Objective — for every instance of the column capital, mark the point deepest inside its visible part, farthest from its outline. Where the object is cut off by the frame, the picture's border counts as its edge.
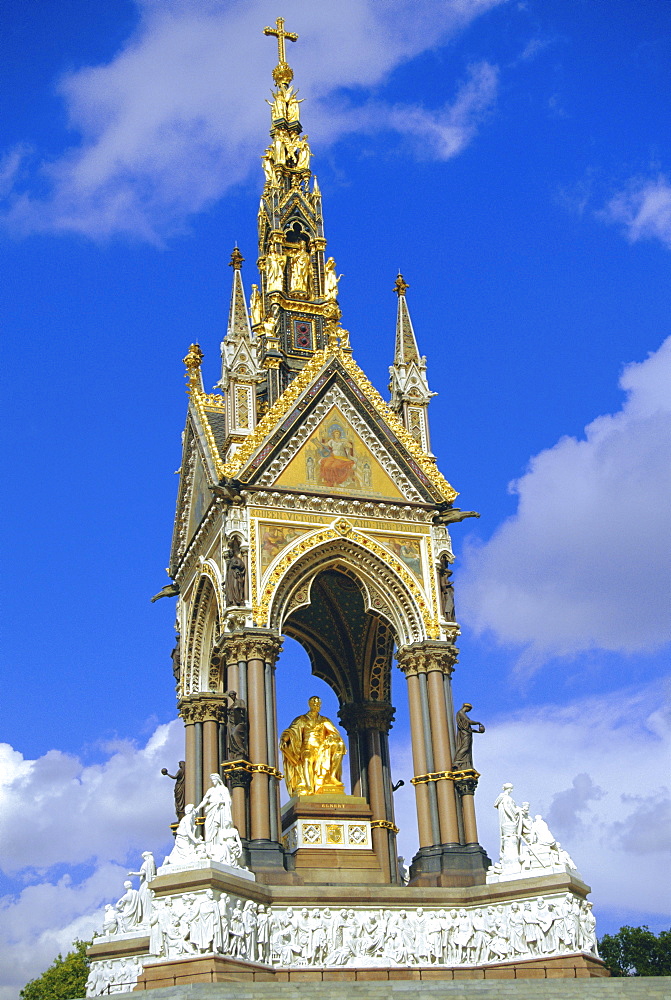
(465, 782)
(250, 644)
(357, 716)
(205, 707)
(422, 657)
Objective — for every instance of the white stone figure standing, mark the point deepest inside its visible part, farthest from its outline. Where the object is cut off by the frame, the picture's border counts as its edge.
(237, 932)
(146, 874)
(516, 930)
(508, 828)
(156, 936)
(263, 932)
(222, 840)
(129, 908)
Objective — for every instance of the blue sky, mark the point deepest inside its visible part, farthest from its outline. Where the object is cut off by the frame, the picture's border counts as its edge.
(514, 160)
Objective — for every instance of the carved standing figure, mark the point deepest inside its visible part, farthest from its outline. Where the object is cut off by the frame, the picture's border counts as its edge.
(275, 271)
(146, 874)
(222, 840)
(236, 576)
(446, 589)
(300, 271)
(238, 728)
(331, 280)
(303, 154)
(463, 757)
(180, 780)
(129, 908)
(508, 827)
(255, 306)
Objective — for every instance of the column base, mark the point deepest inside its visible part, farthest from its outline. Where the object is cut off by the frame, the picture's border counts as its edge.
(450, 865)
(266, 858)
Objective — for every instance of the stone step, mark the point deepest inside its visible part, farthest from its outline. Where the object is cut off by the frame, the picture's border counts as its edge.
(654, 988)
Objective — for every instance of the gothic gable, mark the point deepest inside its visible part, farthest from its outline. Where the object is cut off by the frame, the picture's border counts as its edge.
(331, 407)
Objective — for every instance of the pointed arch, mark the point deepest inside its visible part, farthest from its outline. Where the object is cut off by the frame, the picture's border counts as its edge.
(387, 587)
(198, 673)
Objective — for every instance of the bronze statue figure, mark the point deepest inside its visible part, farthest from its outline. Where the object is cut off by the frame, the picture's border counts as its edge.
(463, 757)
(236, 576)
(446, 589)
(179, 780)
(238, 728)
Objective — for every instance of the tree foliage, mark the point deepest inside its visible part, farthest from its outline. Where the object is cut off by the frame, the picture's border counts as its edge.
(636, 951)
(64, 979)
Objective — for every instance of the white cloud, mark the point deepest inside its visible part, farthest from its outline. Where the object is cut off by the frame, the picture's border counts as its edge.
(584, 563)
(177, 117)
(643, 208)
(598, 770)
(68, 832)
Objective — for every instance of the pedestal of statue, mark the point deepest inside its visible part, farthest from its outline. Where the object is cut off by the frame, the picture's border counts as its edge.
(328, 837)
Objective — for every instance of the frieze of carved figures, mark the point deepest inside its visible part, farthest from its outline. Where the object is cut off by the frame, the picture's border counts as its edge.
(208, 922)
(527, 846)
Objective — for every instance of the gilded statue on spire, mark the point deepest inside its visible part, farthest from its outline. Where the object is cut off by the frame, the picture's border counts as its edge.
(313, 750)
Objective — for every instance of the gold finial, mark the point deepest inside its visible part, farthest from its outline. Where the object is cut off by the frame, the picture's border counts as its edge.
(282, 72)
(193, 362)
(236, 260)
(400, 285)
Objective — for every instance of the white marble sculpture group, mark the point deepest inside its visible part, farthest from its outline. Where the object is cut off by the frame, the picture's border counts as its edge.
(221, 841)
(528, 847)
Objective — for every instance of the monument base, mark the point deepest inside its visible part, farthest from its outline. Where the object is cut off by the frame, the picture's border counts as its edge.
(214, 969)
(209, 925)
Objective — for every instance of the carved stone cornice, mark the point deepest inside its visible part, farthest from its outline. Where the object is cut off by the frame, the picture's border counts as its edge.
(203, 708)
(422, 657)
(250, 644)
(358, 716)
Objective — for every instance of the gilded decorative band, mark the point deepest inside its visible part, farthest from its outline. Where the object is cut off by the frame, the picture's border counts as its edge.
(383, 824)
(420, 779)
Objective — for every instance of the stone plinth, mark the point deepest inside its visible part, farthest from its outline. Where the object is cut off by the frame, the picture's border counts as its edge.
(330, 840)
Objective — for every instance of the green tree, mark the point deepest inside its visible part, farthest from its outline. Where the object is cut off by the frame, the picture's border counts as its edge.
(65, 979)
(636, 951)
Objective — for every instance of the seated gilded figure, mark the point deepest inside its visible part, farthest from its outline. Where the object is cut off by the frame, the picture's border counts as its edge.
(313, 750)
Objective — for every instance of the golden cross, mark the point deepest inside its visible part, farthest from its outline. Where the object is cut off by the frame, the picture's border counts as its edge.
(281, 34)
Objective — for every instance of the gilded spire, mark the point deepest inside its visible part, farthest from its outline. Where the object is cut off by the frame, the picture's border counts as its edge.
(238, 319)
(406, 344)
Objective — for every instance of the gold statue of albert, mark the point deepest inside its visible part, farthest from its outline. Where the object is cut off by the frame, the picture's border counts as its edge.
(313, 750)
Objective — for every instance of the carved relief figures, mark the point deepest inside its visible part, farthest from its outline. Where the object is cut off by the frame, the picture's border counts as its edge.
(202, 922)
(313, 750)
(238, 728)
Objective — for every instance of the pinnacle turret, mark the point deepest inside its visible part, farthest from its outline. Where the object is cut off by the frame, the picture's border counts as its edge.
(408, 385)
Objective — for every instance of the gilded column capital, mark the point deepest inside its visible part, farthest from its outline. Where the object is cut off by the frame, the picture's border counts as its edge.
(204, 707)
(357, 716)
(250, 644)
(423, 657)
